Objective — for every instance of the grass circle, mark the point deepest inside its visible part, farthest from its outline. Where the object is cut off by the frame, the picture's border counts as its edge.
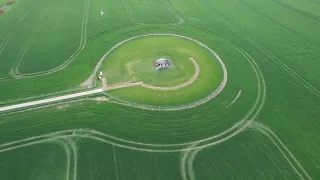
(133, 61)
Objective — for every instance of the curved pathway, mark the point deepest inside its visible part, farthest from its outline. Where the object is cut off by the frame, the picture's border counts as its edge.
(188, 106)
(190, 81)
(140, 83)
(90, 79)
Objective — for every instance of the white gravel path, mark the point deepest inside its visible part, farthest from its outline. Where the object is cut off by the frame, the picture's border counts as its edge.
(50, 100)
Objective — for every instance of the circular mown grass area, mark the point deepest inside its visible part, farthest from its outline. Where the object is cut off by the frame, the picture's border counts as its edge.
(134, 61)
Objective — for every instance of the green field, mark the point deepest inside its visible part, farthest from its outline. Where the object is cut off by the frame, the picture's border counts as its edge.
(134, 61)
(262, 124)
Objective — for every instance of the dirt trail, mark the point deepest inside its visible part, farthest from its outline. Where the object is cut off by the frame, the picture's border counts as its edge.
(190, 81)
(123, 85)
(90, 79)
(140, 83)
(104, 83)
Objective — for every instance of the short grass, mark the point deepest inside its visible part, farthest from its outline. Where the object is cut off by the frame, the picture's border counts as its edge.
(178, 72)
(134, 61)
(148, 49)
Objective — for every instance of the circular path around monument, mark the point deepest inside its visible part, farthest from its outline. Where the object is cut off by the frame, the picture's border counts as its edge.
(133, 61)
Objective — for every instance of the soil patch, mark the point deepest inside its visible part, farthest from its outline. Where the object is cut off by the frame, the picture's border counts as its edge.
(9, 2)
(1, 11)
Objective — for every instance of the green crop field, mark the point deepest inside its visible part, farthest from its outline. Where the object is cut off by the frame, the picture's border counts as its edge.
(239, 100)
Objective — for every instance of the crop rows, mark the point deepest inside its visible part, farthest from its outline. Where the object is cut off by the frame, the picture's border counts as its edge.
(280, 37)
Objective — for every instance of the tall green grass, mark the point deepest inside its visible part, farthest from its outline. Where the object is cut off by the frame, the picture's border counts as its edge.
(150, 11)
(115, 16)
(40, 161)
(291, 109)
(250, 155)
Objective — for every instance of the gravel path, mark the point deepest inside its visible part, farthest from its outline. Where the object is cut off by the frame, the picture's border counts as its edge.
(50, 100)
(90, 80)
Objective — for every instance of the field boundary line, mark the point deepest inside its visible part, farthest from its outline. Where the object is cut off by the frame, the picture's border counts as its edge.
(261, 85)
(239, 127)
(286, 28)
(49, 139)
(14, 69)
(62, 66)
(59, 140)
(75, 156)
(62, 143)
(191, 156)
(93, 136)
(174, 13)
(115, 162)
(85, 24)
(295, 164)
(261, 97)
(234, 100)
(130, 13)
(313, 89)
(160, 150)
(296, 10)
(97, 133)
(184, 161)
(190, 161)
(111, 31)
(35, 138)
(25, 47)
(7, 39)
(81, 46)
(186, 158)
